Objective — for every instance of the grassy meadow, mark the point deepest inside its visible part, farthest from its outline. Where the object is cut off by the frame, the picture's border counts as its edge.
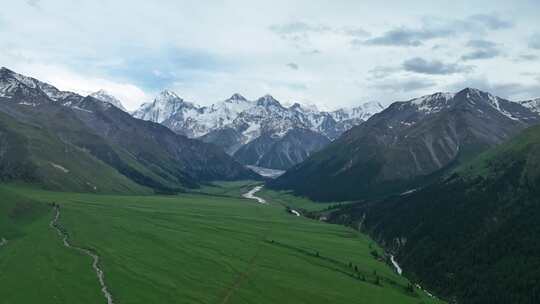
(211, 246)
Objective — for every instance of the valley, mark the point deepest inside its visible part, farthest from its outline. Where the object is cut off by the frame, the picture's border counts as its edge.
(112, 208)
(470, 235)
(211, 246)
(263, 152)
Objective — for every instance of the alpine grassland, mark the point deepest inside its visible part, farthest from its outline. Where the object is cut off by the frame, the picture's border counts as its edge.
(210, 246)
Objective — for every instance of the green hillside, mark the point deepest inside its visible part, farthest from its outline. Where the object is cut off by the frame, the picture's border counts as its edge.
(63, 141)
(191, 248)
(37, 155)
(472, 236)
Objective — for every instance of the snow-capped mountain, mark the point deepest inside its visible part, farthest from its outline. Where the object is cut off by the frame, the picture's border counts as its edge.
(408, 144)
(107, 97)
(255, 126)
(533, 104)
(13, 84)
(14, 87)
(97, 146)
(166, 105)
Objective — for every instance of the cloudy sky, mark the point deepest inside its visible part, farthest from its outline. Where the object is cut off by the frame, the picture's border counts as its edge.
(328, 53)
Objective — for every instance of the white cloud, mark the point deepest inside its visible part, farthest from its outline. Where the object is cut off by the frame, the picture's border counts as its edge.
(208, 50)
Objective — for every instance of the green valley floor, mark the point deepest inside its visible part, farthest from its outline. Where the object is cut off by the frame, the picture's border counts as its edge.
(210, 246)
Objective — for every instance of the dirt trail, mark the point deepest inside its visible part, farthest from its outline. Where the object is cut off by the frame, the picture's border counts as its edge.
(241, 278)
(95, 264)
(244, 275)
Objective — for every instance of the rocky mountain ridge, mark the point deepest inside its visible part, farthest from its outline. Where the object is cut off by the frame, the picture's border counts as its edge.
(407, 144)
(66, 141)
(255, 128)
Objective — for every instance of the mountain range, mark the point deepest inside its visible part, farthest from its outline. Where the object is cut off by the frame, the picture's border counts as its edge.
(262, 132)
(65, 141)
(407, 145)
(533, 104)
(448, 183)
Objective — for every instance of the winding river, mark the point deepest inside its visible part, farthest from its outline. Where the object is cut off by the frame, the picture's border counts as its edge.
(251, 195)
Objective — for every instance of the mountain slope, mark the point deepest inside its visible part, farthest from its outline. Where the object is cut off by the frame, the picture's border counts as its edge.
(406, 145)
(236, 123)
(281, 153)
(472, 236)
(30, 153)
(95, 133)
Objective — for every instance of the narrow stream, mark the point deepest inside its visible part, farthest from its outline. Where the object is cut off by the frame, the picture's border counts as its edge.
(400, 271)
(95, 264)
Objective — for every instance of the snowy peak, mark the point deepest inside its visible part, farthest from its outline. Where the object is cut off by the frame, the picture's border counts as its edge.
(267, 101)
(249, 119)
(166, 105)
(479, 102)
(12, 83)
(236, 98)
(7, 74)
(32, 92)
(533, 105)
(369, 108)
(167, 95)
(484, 102)
(475, 95)
(433, 103)
(170, 98)
(249, 130)
(363, 111)
(304, 108)
(109, 98)
(297, 107)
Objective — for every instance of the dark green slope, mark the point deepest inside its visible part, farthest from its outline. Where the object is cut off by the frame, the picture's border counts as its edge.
(34, 154)
(407, 145)
(473, 236)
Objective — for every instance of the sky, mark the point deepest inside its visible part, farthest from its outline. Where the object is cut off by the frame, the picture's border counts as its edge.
(326, 53)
